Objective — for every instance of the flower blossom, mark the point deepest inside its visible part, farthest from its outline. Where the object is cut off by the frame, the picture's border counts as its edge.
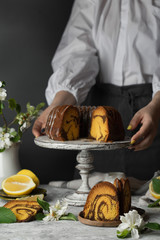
(5, 141)
(132, 222)
(3, 94)
(56, 211)
(25, 125)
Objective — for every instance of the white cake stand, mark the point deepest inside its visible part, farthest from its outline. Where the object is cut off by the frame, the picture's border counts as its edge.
(84, 159)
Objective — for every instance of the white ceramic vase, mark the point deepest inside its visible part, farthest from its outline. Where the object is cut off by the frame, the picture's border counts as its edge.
(9, 162)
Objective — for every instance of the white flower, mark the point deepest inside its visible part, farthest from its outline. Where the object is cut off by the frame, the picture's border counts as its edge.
(56, 211)
(132, 222)
(25, 125)
(5, 141)
(1, 84)
(2, 144)
(3, 94)
(11, 130)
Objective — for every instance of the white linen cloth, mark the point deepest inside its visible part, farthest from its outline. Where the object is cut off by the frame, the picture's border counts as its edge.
(95, 177)
(118, 38)
(147, 197)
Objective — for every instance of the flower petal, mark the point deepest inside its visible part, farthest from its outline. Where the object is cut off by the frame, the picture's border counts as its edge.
(134, 233)
(123, 226)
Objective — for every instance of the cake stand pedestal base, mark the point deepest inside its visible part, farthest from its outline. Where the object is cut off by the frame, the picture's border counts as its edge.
(76, 199)
(85, 160)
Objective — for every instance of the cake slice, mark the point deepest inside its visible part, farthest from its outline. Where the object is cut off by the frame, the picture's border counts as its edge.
(107, 201)
(24, 210)
(126, 195)
(102, 203)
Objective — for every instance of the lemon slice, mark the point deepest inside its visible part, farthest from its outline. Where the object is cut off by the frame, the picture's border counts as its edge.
(151, 190)
(30, 174)
(18, 185)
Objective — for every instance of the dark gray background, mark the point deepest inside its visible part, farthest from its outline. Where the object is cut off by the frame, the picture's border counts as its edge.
(30, 31)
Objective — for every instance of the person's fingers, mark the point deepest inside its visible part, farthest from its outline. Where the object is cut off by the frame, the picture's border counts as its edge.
(37, 127)
(144, 143)
(135, 121)
(141, 139)
(36, 130)
(144, 137)
(141, 134)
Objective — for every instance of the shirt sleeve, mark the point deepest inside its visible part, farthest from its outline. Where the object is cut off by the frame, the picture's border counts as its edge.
(75, 64)
(156, 80)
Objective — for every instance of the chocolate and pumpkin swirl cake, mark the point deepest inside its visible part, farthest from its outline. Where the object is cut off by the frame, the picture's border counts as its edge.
(107, 201)
(24, 210)
(68, 122)
(102, 203)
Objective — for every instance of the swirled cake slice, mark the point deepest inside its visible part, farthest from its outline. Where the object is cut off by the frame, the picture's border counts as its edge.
(24, 210)
(107, 201)
(102, 203)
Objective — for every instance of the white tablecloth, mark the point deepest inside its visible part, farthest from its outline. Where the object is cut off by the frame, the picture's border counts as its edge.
(62, 230)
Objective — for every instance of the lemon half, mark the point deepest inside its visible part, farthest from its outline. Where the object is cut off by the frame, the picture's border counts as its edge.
(18, 185)
(30, 174)
(151, 190)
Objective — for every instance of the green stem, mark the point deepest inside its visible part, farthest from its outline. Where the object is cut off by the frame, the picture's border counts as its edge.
(5, 122)
(12, 122)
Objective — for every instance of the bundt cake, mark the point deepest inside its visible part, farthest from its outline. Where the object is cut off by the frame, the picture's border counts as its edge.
(107, 201)
(24, 210)
(69, 122)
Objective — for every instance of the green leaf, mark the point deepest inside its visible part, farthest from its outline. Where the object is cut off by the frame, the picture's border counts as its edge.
(6, 215)
(19, 133)
(156, 185)
(152, 226)
(3, 84)
(12, 103)
(2, 150)
(13, 134)
(40, 105)
(154, 204)
(69, 216)
(45, 205)
(123, 234)
(16, 138)
(39, 216)
(18, 108)
(1, 106)
(34, 111)
(30, 108)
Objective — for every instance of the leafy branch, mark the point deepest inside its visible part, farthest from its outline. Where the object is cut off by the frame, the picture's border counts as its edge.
(8, 134)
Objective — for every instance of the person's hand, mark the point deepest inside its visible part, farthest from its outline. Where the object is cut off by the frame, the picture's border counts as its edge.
(40, 123)
(61, 98)
(148, 118)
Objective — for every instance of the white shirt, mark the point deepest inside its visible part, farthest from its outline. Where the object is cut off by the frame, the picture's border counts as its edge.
(120, 39)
